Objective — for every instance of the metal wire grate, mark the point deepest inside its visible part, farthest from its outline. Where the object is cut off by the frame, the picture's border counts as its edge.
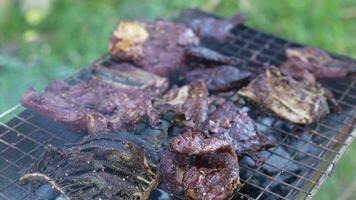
(295, 169)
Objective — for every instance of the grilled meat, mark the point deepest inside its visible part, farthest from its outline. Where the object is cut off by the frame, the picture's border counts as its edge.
(157, 47)
(237, 128)
(219, 78)
(199, 167)
(208, 27)
(189, 104)
(292, 100)
(207, 56)
(102, 166)
(309, 63)
(113, 99)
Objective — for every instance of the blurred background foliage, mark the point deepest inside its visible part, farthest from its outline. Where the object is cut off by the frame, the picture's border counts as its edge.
(41, 40)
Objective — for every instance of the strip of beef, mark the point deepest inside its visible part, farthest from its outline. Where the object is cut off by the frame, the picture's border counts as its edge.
(157, 47)
(309, 63)
(113, 99)
(199, 167)
(209, 27)
(288, 98)
(220, 78)
(189, 104)
(207, 56)
(98, 167)
(237, 128)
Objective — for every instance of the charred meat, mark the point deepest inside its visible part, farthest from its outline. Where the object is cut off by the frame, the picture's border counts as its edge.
(288, 98)
(220, 78)
(308, 63)
(101, 166)
(157, 47)
(199, 167)
(237, 128)
(209, 27)
(110, 100)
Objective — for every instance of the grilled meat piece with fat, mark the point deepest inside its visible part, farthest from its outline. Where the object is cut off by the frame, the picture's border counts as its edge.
(157, 47)
(188, 103)
(199, 167)
(208, 27)
(288, 98)
(220, 78)
(311, 63)
(102, 166)
(113, 99)
(236, 127)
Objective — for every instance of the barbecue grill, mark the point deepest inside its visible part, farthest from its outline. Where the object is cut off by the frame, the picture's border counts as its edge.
(295, 169)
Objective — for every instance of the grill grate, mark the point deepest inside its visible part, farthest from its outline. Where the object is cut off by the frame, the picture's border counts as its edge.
(295, 169)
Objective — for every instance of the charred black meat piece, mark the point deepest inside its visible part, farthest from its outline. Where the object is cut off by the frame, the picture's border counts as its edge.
(99, 167)
(311, 63)
(157, 47)
(209, 27)
(199, 167)
(220, 78)
(237, 128)
(295, 101)
(113, 99)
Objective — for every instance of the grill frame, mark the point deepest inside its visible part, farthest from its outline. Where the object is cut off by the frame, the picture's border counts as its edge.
(257, 49)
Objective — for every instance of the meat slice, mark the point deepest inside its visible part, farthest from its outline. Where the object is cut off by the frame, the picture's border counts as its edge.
(220, 78)
(189, 104)
(98, 167)
(113, 99)
(308, 63)
(292, 100)
(157, 47)
(237, 128)
(199, 167)
(209, 27)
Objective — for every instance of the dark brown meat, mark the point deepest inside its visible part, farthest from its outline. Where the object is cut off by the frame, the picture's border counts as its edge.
(220, 78)
(189, 103)
(209, 27)
(111, 100)
(99, 167)
(157, 47)
(292, 100)
(207, 56)
(238, 129)
(199, 167)
(309, 63)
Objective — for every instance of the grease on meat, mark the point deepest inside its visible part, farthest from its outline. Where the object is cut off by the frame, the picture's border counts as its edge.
(288, 98)
(108, 101)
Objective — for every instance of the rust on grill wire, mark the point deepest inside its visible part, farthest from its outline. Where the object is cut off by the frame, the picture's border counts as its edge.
(295, 169)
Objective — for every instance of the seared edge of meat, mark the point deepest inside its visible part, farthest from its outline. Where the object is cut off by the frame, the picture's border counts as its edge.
(98, 166)
(290, 99)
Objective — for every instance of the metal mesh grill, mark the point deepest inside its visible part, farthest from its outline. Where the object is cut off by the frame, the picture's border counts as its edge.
(295, 169)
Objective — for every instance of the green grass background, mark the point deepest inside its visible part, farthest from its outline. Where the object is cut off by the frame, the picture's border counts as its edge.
(39, 45)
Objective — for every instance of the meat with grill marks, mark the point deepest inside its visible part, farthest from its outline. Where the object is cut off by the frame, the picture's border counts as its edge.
(200, 168)
(295, 101)
(112, 99)
(102, 166)
(311, 63)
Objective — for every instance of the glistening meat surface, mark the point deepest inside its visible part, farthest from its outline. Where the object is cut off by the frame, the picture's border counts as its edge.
(113, 99)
